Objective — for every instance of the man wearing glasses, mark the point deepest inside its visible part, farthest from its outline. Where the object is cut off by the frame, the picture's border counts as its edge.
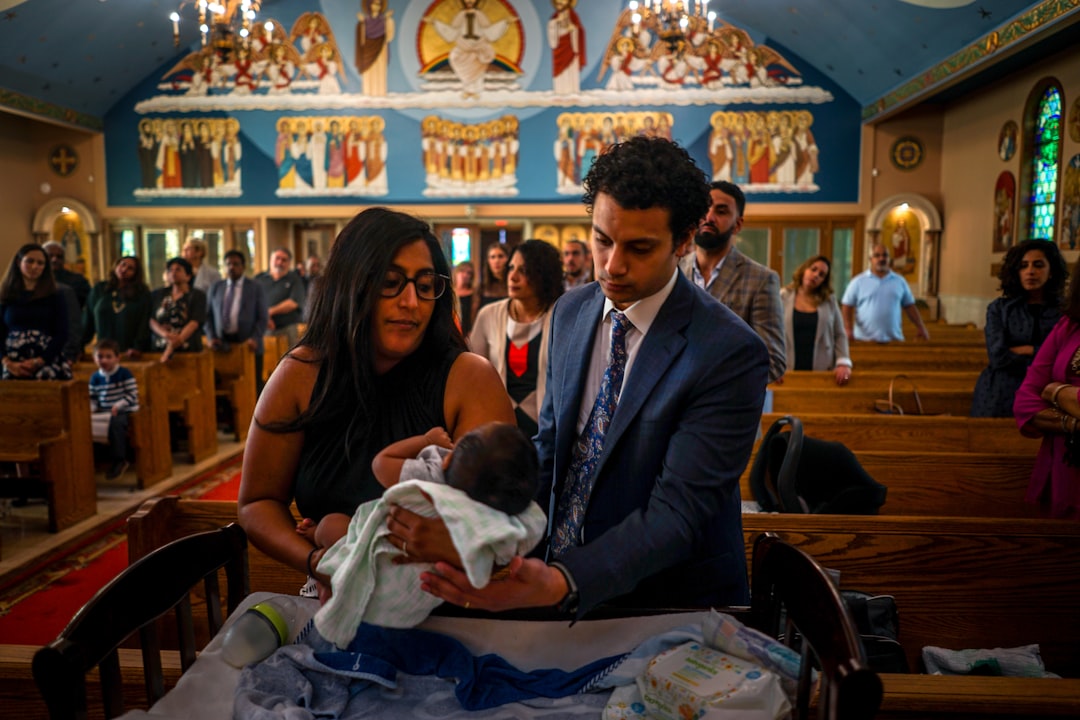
(873, 300)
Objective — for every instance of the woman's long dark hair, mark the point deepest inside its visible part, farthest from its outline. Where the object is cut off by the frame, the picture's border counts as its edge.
(138, 285)
(1011, 287)
(543, 269)
(13, 284)
(340, 317)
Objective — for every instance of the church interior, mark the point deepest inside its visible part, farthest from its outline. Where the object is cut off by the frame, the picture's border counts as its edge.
(946, 130)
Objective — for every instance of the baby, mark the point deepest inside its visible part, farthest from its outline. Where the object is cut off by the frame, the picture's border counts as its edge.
(482, 488)
(495, 464)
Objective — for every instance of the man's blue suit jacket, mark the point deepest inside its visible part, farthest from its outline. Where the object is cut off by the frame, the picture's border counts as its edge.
(252, 319)
(663, 527)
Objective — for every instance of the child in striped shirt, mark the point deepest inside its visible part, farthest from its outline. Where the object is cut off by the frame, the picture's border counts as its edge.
(113, 395)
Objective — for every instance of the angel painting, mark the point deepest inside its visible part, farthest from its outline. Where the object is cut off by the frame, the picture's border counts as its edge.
(198, 71)
(321, 64)
(281, 68)
(624, 59)
(374, 32)
(244, 70)
(310, 29)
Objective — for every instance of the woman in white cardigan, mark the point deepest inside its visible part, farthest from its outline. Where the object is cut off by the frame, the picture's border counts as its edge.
(513, 333)
(813, 325)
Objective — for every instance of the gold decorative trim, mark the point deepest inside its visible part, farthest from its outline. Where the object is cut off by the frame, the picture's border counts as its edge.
(26, 105)
(1037, 18)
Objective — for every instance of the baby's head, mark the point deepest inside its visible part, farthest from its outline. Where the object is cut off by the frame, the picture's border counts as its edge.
(107, 355)
(496, 465)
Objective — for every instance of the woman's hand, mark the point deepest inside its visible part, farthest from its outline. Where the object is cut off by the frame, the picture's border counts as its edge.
(843, 374)
(438, 436)
(421, 539)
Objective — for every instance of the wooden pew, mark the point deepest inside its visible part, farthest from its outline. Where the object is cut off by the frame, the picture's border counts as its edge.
(274, 347)
(878, 380)
(234, 375)
(958, 582)
(914, 356)
(855, 401)
(149, 426)
(933, 483)
(48, 422)
(189, 388)
(928, 434)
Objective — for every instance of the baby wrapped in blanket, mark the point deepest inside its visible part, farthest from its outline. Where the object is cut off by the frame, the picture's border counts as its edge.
(482, 489)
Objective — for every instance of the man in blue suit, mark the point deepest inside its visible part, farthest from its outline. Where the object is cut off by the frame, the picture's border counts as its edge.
(662, 526)
(244, 317)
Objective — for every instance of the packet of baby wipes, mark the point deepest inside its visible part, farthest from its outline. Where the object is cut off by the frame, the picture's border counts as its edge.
(695, 682)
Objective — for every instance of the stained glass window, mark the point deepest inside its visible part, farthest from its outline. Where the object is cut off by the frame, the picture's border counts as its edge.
(1045, 155)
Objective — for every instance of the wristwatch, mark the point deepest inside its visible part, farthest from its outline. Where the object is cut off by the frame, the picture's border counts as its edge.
(570, 602)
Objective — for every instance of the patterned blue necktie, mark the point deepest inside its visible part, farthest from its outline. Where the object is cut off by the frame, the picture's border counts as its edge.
(570, 512)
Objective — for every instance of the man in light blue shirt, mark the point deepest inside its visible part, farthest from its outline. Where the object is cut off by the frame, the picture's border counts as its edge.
(872, 302)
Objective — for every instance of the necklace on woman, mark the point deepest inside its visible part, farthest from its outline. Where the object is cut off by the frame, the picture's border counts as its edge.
(117, 307)
(519, 315)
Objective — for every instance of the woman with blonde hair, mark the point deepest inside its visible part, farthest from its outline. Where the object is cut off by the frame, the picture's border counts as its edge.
(813, 325)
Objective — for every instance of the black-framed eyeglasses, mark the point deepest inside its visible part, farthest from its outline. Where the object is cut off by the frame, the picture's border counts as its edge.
(429, 285)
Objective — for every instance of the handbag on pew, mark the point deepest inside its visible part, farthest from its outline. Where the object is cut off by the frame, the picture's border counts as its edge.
(890, 406)
(793, 473)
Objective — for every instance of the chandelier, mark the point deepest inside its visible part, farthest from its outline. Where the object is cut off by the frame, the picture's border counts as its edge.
(673, 20)
(222, 23)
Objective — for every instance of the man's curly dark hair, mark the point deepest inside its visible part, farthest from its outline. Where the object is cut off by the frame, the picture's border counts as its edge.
(1053, 290)
(647, 172)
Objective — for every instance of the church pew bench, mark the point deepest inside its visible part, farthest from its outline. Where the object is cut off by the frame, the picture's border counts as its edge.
(909, 432)
(958, 582)
(234, 378)
(945, 697)
(149, 426)
(189, 389)
(878, 380)
(47, 423)
(796, 401)
(986, 485)
(901, 357)
(275, 346)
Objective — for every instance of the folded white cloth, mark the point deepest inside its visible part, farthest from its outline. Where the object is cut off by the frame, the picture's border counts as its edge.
(1023, 661)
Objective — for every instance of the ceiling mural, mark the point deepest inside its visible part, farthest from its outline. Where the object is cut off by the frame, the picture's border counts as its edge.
(490, 100)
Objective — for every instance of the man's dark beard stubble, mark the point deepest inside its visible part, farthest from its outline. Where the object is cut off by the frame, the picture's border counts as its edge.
(709, 239)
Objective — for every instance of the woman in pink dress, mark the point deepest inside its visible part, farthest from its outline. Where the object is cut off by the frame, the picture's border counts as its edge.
(1046, 405)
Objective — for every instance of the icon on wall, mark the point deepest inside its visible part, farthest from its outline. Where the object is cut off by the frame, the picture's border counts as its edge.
(1004, 211)
(1007, 140)
(1070, 204)
(907, 153)
(63, 160)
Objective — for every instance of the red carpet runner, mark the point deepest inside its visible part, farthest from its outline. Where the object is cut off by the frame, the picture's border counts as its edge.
(35, 610)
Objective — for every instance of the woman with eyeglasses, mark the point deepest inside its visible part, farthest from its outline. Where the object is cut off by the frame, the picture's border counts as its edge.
(513, 333)
(382, 360)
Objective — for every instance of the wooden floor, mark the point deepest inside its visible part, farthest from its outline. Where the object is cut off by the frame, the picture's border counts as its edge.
(25, 539)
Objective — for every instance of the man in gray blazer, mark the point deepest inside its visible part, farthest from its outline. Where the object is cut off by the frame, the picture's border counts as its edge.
(749, 288)
(244, 318)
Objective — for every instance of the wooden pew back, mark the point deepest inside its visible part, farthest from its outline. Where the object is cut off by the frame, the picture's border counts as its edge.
(234, 371)
(928, 434)
(855, 401)
(903, 357)
(189, 387)
(49, 421)
(879, 380)
(961, 484)
(959, 582)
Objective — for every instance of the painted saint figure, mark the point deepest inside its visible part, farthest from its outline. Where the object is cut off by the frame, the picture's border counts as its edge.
(374, 33)
(566, 36)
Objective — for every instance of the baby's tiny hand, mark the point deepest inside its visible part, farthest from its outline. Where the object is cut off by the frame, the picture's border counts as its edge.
(306, 527)
(438, 436)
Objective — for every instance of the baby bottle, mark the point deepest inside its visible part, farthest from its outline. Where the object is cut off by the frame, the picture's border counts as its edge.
(261, 630)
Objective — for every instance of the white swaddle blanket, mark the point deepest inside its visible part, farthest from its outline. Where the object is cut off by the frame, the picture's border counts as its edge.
(369, 587)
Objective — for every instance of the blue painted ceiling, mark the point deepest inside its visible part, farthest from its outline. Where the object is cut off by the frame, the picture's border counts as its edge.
(85, 55)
